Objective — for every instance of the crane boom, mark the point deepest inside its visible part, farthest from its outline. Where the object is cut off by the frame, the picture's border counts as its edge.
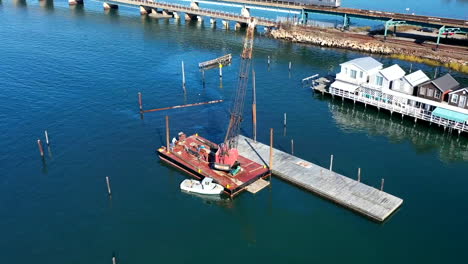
(238, 103)
(227, 153)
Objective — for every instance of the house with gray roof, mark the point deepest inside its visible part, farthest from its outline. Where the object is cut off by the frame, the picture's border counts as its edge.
(438, 89)
(408, 82)
(459, 98)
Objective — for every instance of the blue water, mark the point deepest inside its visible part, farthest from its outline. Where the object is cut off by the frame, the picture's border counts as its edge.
(76, 72)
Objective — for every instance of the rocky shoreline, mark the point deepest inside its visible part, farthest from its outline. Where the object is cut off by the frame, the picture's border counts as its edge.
(336, 39)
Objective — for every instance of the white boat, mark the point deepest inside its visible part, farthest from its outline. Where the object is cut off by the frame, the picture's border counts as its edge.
(206, 186)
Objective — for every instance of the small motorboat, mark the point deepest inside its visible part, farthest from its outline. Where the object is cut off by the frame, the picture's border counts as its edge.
(206, 186)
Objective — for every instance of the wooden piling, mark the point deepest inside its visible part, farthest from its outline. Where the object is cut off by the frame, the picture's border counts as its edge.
(331, 162)
(268, 61)
(108, 186)
(254, 108)
(359, 175)
(140, 102)
(46, 137)
(292, 146)
(271, 150)
(167, 133)
(220, 70)
(114, 261)
(285, 119)
(203, 76)
(183, 76)
(382, 184)
(289, 66)
(41, 150)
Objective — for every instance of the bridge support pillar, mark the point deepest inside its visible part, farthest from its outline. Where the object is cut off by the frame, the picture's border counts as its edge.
(194, 5)
(175, 15)
(304, 17)
(75, 2)
(225, 24)
(245, 12)
(167, 13)
(189, 17)
(212, 20)
(239, 25)
(346, 21)
(199, 18)
(145, 10)
(108, 6)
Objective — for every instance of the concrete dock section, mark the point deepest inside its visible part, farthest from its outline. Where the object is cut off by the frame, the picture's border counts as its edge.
(349, 193)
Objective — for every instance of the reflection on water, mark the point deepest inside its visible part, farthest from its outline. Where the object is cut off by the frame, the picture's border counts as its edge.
(424, 137)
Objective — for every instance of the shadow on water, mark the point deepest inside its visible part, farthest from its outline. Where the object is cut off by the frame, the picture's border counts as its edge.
(20, 3)
(423, 137)
(47, 5)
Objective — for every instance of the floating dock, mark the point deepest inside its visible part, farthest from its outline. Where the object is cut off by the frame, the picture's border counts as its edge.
(361, 198)
(223, 60)
(194, 155)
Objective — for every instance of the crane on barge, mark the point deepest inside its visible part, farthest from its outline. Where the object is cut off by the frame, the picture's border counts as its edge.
(227, 153)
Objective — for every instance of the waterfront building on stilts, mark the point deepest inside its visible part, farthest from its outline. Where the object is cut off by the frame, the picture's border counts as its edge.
(441, 101)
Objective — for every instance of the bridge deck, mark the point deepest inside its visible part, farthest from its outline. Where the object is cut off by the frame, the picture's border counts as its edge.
(347, 192)
(195, 11)
(363, 13)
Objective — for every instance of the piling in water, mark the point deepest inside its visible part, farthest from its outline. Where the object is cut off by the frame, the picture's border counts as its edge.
(254, 108)
(331, 162)
(382, 184)
(271, 151)
(289, 66)
(359, 175)
(108, 186)
(140, 102)
(220, 70)
(183, 76)
(41, 150)
(46, 137)
(167, 133)
(284, 121)
(292, 146)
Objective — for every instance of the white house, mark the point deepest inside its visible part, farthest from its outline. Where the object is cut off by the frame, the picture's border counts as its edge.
(355, 73)
(410, 81)
(386, 79)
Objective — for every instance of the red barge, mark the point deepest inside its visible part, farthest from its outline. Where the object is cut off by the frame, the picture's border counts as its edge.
(196, 156)
(202, 158)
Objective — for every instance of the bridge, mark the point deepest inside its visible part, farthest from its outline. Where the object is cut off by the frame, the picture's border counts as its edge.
(431, 21)
(191, 13)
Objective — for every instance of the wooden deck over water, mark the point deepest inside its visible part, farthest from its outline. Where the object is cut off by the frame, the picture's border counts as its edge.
(347, 192)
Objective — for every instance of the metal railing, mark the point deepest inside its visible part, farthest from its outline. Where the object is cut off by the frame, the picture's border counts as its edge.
(394, 104)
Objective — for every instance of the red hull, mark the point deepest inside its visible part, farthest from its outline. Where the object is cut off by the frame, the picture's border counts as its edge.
(192, 155)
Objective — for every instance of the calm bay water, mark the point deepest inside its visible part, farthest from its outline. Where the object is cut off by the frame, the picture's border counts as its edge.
(76, 72)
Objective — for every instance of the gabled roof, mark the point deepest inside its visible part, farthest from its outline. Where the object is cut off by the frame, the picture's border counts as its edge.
(460, 89)
(416, 78)
(393, 72)
(446, 82)
(364, 63)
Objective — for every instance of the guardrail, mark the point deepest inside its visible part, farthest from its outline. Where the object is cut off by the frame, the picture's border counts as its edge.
(198, 11)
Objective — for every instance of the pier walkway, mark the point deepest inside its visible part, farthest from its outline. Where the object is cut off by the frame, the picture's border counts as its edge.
(361, 198)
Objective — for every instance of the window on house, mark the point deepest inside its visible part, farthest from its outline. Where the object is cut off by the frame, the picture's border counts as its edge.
(361, 74)
(454, 98)
(353, 74)
(437, 94)
(422, 91)
(430, 92)
(379, 80)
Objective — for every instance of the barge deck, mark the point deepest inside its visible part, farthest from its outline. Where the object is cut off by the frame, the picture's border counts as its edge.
(194, 155)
